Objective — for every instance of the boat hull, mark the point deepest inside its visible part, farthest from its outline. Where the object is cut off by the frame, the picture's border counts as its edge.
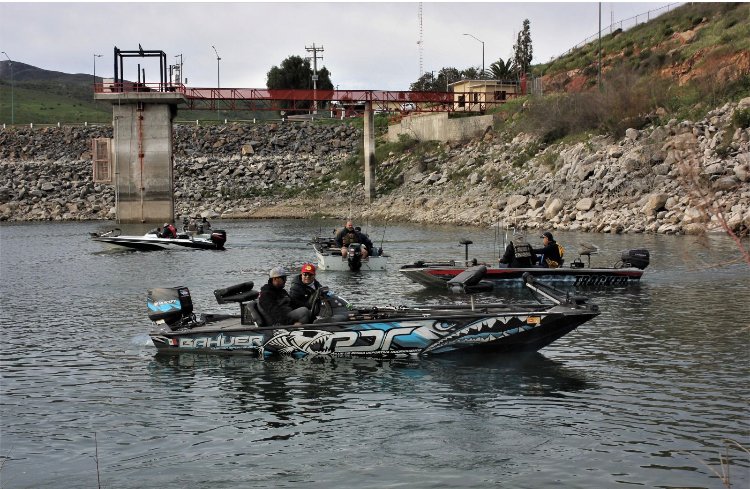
(332, 261)
(154, 243)
(437, 276)
(487, 331)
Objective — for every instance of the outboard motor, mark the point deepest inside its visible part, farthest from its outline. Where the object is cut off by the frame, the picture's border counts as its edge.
(355, 257)
(635, 258)
(219, 237)
(170, 305)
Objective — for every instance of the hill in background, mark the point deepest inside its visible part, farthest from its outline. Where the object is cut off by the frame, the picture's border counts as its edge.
(697, 56)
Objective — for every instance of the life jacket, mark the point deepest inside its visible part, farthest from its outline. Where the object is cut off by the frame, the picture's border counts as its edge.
(552, 263)
(524, 255)
(349, 238)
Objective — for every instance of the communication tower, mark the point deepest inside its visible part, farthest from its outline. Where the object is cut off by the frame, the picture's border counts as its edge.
(420, 41)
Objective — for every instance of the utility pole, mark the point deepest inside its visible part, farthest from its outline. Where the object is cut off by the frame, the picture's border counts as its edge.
(218, 81)
(599, 74)
(179, 78)
(314, 49)
(12, 100)
(95, 56)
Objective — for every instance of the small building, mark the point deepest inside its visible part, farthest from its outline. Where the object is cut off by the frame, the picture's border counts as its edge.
(472, 95)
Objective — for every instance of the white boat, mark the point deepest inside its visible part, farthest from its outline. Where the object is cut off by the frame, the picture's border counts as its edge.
(329, 257)
(152, 241)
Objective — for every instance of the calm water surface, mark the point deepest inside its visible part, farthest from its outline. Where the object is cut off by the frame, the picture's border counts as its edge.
(643, 395)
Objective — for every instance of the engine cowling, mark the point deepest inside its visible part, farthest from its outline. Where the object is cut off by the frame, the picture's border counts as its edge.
(639, 258)
(169, 304)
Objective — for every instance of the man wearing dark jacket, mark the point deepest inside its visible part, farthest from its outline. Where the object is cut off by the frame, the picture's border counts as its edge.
(349, 235)
(304, 286)
(551, 257)
(276, 305)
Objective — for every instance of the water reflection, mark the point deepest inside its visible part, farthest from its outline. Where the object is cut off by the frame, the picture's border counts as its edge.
(311, 386)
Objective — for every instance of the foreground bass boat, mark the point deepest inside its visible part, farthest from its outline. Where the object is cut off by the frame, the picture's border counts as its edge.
(152, 241)
(627, 270)
(343, 330)
(329, 257)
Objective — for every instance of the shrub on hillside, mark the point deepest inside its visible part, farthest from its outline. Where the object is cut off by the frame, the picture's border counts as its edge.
(625, 101)
(741, 118)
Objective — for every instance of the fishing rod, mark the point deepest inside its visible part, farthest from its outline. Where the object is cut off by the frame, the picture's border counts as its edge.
(382, 239)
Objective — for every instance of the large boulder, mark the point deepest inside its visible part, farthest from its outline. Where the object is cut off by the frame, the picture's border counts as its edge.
(655, 203)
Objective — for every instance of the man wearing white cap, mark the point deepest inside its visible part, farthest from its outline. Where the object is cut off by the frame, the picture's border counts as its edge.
(276, 305)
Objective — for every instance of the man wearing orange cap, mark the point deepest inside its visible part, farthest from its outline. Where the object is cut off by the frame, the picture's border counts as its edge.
(304, 286)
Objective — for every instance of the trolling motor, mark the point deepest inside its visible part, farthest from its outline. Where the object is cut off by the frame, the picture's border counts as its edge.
(354, 257)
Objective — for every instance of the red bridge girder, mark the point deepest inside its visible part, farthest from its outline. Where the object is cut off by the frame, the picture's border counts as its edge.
(260, 99)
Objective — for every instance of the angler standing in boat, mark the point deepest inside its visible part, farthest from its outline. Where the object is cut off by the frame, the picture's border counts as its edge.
(349, 235)
(276, 305)
(551, 252)
(304, 286)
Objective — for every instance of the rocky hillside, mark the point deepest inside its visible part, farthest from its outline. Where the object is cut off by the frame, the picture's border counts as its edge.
(682, 177)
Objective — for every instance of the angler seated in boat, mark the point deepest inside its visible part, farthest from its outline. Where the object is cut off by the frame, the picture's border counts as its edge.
(324, 307)
(350, 235)
(166, 231)
(551, 253)
(276, 304)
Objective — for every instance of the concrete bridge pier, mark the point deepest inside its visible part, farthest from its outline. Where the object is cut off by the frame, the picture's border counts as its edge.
(142, 154)
(369, 153)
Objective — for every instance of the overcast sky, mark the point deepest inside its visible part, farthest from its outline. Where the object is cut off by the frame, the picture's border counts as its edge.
(366, 45)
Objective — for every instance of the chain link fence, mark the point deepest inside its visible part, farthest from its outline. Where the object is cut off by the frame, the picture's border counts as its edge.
(624, 25)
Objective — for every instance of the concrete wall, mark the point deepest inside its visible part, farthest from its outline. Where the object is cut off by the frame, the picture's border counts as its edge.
(144, 184)
(437, 127)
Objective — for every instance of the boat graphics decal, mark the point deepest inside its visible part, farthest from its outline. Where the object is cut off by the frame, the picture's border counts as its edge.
(381, 338)
(593, 280)
(165, 305)
(221, 342)
(485, 331)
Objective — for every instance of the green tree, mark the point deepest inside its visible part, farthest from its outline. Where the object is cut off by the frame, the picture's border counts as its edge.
(296, 73)
(502, 70)
(425, 83)
(447, 76)
(429, 82)
(471, 73)
(523, 51)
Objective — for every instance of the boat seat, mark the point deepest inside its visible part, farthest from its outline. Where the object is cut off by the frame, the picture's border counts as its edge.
(251, 314)
(236, 293)
(470, 281)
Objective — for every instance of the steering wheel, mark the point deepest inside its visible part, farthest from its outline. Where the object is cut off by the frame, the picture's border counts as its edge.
(320, 306)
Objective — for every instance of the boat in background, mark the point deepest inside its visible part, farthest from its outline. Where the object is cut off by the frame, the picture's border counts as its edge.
(151, 241)
(383, 331)
(627, 270)
(329, 257)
